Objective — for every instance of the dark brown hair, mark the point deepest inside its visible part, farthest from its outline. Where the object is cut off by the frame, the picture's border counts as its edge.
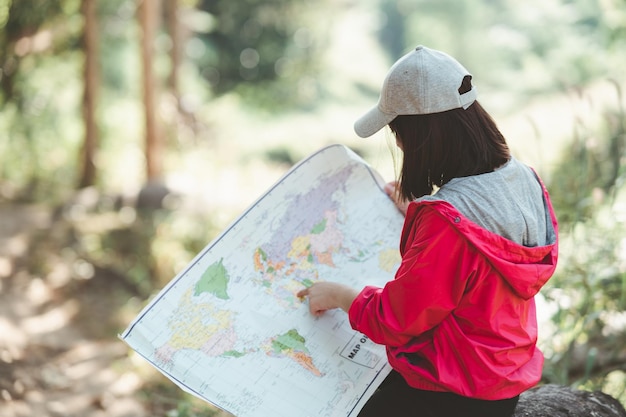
(440, 146)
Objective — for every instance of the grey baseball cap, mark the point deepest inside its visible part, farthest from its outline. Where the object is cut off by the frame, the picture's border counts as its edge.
(423, 81)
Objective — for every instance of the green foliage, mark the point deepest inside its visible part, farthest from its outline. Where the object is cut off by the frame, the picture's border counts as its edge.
(247, 45)
(281, 155)
(593, 166)
(32, 26)
(148, 247)
(589, 289)
(524, 48)
(119, 47)
(25, 17)
(40, 88)
(44, 128)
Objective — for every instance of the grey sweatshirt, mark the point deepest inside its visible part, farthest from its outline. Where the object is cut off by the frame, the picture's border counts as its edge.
(508, 202)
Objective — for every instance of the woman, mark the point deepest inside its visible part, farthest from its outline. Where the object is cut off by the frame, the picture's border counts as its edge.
(479, 241)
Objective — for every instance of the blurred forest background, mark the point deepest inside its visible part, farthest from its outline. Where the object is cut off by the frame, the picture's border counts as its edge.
(132, 132)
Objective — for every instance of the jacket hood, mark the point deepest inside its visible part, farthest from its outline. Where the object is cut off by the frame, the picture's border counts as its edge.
(526, 269)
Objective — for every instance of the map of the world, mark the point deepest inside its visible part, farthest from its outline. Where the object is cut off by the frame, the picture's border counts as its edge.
(230, 328)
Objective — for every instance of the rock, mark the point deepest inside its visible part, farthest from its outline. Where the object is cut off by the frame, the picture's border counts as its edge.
(562, 401)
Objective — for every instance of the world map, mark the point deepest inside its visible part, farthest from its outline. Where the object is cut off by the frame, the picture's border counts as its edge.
(230, 329)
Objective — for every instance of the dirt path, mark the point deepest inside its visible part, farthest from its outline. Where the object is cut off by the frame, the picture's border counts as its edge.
(59, 355)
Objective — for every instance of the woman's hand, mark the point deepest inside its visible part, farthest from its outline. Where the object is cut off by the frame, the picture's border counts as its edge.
(327, 296)
(392, 192)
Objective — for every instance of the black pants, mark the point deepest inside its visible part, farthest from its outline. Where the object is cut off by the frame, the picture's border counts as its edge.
(396, 398)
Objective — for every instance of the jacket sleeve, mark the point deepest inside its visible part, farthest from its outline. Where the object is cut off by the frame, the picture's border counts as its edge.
(427, 287)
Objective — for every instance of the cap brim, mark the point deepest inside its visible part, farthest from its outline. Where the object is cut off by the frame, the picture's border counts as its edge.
(371, 122)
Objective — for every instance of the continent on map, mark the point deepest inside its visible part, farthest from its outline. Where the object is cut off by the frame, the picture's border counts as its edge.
(214, 281)
(291, 345)
(199, 326)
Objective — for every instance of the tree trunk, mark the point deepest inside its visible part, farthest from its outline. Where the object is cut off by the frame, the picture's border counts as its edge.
(149, 12)
(90, 92)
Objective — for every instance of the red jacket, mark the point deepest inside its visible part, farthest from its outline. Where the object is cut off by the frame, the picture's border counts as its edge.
(459, 315)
